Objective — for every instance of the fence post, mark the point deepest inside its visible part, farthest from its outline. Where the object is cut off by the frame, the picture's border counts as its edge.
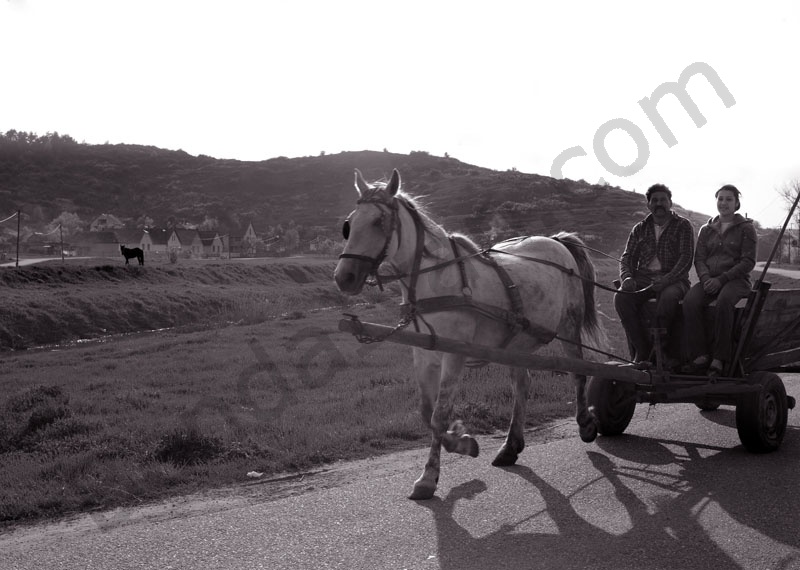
(16, 265)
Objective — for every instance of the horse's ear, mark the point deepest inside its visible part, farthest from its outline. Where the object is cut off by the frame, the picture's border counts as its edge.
(394, 183)
(361, 185)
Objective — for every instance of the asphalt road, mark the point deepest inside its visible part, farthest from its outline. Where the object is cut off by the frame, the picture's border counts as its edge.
(678, 491)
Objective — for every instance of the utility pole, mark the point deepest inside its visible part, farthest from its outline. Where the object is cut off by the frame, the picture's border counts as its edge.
(61, 239)
(17, 263)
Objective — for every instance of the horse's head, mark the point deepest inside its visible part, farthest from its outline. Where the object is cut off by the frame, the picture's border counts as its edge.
(122, 248)
(369, 230)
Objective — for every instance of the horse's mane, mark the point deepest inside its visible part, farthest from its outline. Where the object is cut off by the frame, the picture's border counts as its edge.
(466, 242)
(435, 230)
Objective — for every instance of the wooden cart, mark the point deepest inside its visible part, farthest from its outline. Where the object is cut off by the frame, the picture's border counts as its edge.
(767, 342)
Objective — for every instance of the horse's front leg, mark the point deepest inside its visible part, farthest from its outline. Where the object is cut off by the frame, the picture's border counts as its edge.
(515, 440)
(437, 407)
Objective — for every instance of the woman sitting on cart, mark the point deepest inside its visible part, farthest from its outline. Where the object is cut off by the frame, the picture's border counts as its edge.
(724, 257)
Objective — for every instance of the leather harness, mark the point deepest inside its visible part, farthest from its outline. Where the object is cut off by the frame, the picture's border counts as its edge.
(414, 308)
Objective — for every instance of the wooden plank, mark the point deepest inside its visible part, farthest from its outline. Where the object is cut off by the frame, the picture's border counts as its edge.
(779, 299)
(774, 360)
(776, 328)
(501, 356)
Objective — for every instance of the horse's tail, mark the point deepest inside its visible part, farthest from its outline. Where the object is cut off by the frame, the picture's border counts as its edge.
(577, 248)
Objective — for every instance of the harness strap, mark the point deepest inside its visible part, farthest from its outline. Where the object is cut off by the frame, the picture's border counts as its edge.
(420, 247)
(566, 270)
(482, 256)
(462, 268)
(515, 321)
(514, 298)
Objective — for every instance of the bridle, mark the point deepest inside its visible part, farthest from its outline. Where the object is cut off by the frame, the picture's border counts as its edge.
(392, 211)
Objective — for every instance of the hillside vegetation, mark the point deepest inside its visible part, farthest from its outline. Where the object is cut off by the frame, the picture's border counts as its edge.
(45, 176)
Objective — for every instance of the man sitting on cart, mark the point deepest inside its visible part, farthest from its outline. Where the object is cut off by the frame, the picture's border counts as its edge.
(655, 265)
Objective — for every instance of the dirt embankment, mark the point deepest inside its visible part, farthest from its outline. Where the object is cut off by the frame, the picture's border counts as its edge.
(52, 304)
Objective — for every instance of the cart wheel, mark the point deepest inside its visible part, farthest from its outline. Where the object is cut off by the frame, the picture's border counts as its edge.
(761, 417)
(612, 402)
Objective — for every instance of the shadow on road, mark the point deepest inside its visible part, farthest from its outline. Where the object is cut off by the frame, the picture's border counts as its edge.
(757, 495)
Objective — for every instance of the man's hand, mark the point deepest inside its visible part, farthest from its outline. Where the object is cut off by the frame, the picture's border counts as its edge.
(629, 284)
(658, 284)
(712, 286)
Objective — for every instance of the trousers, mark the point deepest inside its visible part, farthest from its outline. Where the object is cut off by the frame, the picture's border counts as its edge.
(719, 345)
(629, 309)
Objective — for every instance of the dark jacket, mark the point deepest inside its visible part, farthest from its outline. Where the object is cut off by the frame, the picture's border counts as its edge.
(674, 251)
(726, 256)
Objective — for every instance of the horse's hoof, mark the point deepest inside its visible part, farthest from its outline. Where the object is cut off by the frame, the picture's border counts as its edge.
(588, 432)
(505, 457)
(422, 492)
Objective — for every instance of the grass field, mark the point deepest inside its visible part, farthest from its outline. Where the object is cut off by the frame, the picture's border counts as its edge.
(266, 385)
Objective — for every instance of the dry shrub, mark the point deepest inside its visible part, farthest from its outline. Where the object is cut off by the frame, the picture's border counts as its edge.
(187, 447)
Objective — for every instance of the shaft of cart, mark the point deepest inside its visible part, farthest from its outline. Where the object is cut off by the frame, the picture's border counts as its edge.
(500, 356)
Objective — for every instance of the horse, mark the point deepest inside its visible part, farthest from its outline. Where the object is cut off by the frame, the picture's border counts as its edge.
(129, 252)
(521, 294)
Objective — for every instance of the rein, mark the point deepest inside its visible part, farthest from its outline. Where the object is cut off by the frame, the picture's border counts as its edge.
(481, 255)
(412, 310)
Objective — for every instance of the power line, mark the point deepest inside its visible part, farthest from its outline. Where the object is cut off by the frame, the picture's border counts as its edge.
(11, 217)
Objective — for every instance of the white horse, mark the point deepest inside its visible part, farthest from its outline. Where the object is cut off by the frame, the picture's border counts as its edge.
(453, 290)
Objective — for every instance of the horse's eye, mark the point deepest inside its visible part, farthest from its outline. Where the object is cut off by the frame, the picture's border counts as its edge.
(346, 230)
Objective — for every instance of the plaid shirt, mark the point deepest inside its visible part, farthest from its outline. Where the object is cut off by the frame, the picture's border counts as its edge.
(675, 249)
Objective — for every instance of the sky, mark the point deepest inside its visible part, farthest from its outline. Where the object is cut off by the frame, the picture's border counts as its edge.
(511, 85)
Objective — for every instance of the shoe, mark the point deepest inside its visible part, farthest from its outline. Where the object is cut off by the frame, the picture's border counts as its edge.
(697, 366)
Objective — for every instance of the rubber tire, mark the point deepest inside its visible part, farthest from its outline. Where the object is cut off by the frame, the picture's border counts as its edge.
(761, 417)
(613, 404)
(707, 407)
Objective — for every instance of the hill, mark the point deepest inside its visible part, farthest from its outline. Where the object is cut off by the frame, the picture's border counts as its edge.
(45, 176)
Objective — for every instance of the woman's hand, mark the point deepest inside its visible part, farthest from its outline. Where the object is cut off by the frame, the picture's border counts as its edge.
(712, 286)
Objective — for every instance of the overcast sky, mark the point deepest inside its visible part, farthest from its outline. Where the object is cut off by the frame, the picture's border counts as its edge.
(506, 85)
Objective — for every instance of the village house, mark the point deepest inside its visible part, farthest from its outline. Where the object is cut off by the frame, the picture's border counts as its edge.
(212, 243)
(154, 241)
(186, 242)
(321, 244)
(240, 242)
(106, 222)
(130, 238)
(96, 244)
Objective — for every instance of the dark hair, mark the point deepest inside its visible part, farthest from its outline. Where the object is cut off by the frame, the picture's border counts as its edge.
(657, 188)
(734, 190)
